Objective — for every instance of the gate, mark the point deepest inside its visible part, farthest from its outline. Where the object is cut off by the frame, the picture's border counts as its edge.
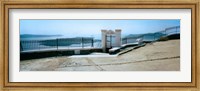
(110, 41)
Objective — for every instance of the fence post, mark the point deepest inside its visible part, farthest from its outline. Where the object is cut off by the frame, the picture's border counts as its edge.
(126, 40)
(106, 40)
(31, 43)
(92, 42)
(110, 41)
(82, 42)
(57, 43)
(21, 46)
(143, 37)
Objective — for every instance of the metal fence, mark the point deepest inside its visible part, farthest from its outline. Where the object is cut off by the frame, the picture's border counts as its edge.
(88, 42)
(149, 37)
(60, 43)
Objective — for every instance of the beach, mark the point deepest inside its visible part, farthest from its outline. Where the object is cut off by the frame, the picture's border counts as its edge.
(157, 56)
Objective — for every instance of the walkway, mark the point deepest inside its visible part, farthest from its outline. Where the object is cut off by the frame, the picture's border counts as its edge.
(158, 56)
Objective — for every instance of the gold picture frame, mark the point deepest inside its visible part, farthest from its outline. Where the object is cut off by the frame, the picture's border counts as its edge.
(110, 86)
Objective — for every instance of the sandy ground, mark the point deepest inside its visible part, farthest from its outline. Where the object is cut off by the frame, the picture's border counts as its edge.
(158, 56)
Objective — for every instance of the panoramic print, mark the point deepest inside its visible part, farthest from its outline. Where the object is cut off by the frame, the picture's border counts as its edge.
(99, 45)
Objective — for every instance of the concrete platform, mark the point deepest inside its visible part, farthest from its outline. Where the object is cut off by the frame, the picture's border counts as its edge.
(158, 56)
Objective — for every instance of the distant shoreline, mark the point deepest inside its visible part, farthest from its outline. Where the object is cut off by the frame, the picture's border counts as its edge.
(33, 35)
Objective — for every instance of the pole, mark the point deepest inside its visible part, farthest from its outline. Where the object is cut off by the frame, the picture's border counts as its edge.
(126, 40)
(57, 43)
(21, 46)
(82, 42)
(105, 43)
(92, 42)
(110, 41)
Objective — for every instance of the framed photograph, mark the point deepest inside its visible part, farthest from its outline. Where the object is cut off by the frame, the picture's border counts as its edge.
(100, 45)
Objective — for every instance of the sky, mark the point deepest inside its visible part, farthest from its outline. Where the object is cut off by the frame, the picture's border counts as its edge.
(84, 28)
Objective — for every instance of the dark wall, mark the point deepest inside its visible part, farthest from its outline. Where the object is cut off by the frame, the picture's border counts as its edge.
(45, 54)
(174, 36)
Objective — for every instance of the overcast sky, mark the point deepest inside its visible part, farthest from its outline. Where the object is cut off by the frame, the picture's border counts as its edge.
(75, 28)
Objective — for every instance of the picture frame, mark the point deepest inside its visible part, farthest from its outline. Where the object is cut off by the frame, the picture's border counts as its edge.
(175, 86)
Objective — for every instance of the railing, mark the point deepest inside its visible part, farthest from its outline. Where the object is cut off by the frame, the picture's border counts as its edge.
(61, 43)
(149, 37)
(88, 42)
